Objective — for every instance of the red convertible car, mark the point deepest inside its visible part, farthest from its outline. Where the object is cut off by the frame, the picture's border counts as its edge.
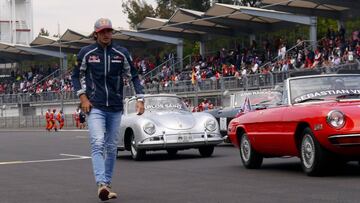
(318, 120)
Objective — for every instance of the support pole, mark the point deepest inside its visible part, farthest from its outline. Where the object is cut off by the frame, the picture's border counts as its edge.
(202, 49)
(252, 38)
(313, 32)
(179, 52)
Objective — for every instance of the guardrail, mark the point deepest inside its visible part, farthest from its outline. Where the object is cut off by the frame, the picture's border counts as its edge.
(36, 98)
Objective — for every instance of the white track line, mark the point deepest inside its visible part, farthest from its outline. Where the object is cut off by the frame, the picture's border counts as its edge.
(76, 157)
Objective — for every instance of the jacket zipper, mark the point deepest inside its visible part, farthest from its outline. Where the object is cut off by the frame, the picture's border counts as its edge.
(118, 84)
(109, 64)
(92, 84)
(105, 70)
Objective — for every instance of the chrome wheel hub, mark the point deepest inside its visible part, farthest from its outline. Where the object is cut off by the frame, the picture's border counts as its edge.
(308, 151)
(133, 148)
(245, 148)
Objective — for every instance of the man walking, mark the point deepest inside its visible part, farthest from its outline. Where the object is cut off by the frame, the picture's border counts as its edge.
(48, 121)
(60, 117)
(103, 64)
(53, 120)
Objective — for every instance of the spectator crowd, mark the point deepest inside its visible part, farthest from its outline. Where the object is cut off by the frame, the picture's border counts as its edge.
(332, 50)
(35, 81)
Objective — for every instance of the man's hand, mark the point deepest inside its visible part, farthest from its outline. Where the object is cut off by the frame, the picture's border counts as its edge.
(85, 103)
(140, 107)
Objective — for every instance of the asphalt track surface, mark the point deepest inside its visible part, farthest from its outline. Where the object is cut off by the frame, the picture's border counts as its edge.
(36, 166)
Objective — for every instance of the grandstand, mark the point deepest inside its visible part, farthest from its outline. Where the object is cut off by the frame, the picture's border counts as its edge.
(24, 101)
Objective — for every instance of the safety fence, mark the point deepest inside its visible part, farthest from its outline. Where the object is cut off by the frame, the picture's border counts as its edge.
(32, 122)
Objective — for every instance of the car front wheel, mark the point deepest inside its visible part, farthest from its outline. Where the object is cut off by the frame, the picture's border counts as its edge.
(314, 159)
(249, 157)
(206, 151)
(137, 154)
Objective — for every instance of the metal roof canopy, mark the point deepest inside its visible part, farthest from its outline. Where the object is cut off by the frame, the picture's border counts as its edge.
(191, 20)
(52, 44)
(254, 19)
(10, 53)
(78, 40)
(228, 20)
(340, 10)
(225, 19)
(17, 53)
(43, 47)
(156, 26)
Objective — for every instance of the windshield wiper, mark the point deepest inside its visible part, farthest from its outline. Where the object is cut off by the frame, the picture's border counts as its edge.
(347, 96)
(310, 99)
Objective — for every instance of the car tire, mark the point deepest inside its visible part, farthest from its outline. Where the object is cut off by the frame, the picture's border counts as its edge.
(250, 158)
(314, 159)
(206, 151)
(136, 154)
(172, 152)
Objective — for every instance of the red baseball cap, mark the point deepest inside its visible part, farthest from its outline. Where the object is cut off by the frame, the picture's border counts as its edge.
(101, 24)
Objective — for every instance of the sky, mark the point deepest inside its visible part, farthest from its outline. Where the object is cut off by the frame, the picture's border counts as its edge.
(78, 15)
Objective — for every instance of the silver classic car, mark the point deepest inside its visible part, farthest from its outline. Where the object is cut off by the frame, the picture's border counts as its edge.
(167, 124)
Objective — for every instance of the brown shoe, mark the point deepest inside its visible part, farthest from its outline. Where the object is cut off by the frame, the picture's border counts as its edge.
(103, 192)
(112, 195)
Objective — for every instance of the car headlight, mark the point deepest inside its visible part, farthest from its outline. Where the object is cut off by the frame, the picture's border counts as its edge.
(210, 125)
(149, 128)
(336, 119)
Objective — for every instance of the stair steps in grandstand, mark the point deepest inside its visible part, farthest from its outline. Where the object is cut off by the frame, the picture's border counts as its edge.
(172, 63)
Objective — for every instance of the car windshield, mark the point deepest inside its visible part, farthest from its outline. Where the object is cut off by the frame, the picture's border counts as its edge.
(164, 104)
(324, 88)
(268, 98)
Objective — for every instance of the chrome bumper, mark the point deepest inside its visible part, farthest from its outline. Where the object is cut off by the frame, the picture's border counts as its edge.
(182, 140)
(345, 140)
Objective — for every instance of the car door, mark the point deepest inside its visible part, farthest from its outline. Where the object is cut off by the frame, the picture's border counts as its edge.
(267, 129)
(129, 109)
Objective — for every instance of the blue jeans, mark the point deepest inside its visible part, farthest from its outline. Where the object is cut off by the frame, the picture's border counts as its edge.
(104, 130)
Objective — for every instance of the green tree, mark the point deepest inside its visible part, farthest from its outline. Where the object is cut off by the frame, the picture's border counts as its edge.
(44, 32)
(166, 8)
(202, 5)
(324, 24)
(137, 11)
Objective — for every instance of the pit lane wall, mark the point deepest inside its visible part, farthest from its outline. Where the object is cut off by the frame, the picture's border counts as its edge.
(34, 115)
